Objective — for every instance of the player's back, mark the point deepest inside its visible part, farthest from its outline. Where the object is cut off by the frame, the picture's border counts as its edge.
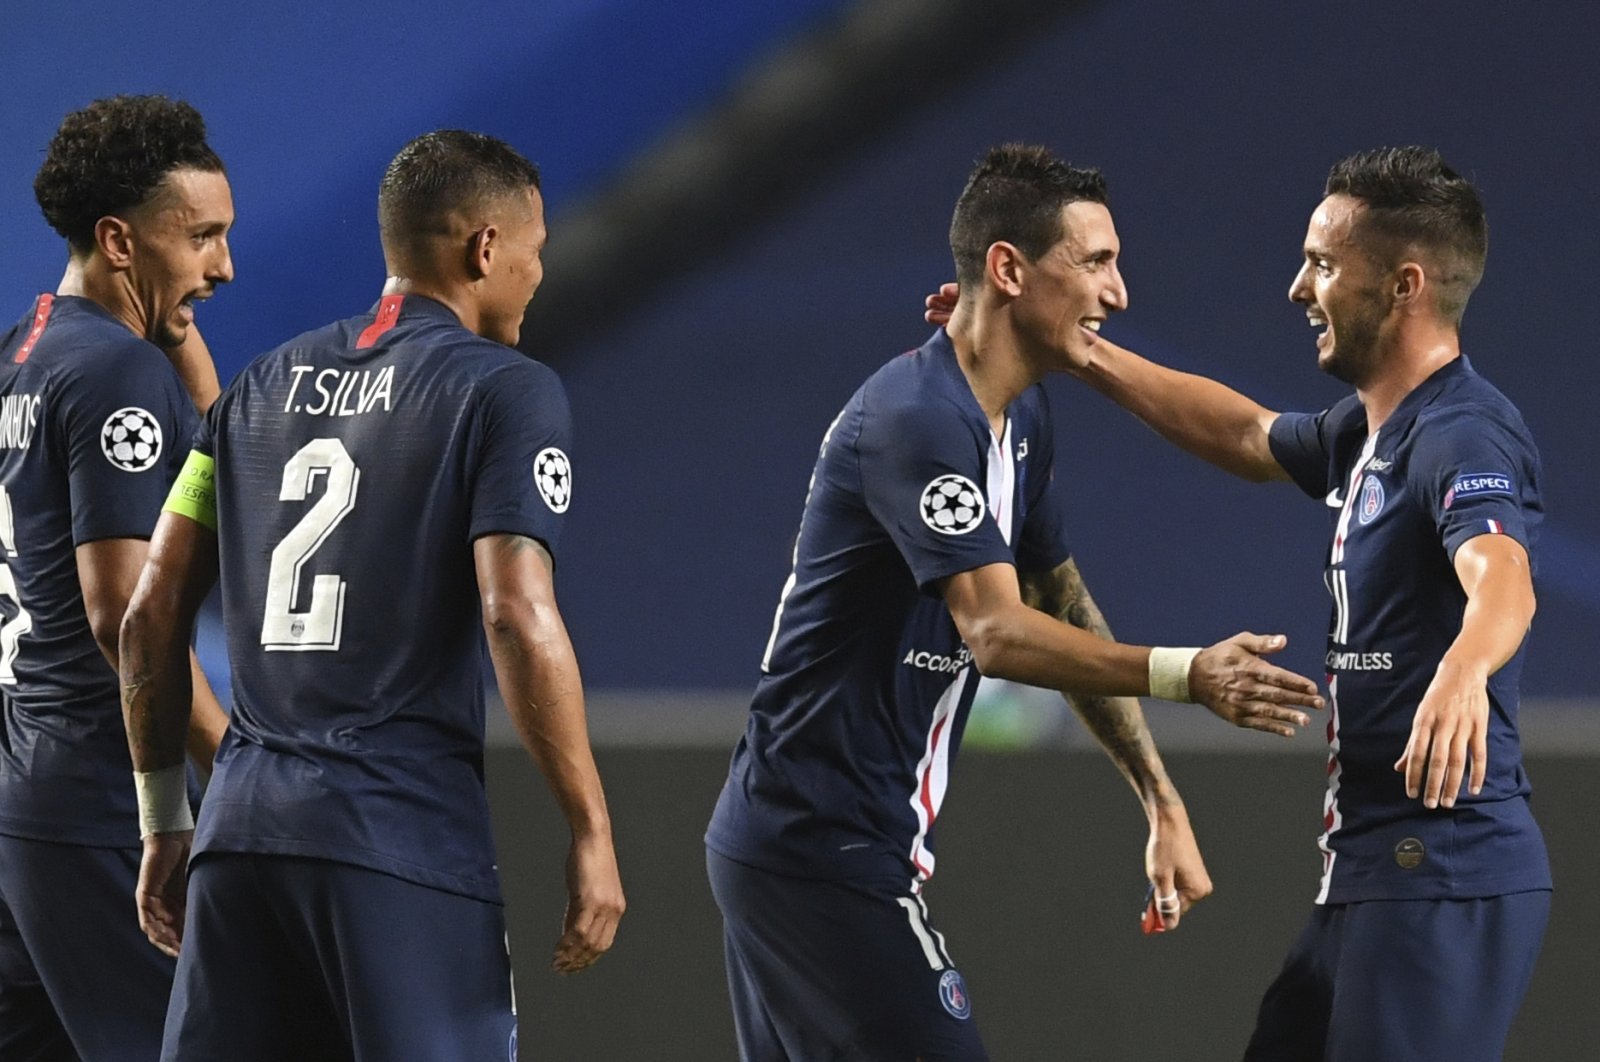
(92, 425)
(355, 466)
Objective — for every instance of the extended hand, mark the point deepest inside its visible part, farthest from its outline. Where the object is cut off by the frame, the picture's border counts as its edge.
(941, 305)
(594, 903)
(1232, 680)
(1452, 719)
(1173, 864)
(161, 894)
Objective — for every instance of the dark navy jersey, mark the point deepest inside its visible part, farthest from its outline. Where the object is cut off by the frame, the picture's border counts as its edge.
(865, 683)
(1452, 462)
(93, 427)
(355, 466)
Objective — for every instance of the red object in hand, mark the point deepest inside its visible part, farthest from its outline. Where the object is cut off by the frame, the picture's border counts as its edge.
(1150, 921)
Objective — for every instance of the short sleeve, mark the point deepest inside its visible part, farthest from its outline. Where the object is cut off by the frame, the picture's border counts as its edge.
(922, 472)
(1044, 544)
(521, 475)
(125, 422)
(1476, 475)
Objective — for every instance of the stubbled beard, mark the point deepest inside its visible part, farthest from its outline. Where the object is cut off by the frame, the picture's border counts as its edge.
(1354, 356)
(167, 337)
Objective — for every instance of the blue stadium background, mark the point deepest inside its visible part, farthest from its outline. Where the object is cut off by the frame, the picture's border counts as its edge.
(700, 396)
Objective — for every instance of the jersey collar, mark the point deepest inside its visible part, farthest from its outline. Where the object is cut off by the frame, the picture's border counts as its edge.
(1430, 389)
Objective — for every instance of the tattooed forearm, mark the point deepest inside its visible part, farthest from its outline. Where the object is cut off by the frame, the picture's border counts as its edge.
(1061, 593)
(155, 700)
(1117, 723)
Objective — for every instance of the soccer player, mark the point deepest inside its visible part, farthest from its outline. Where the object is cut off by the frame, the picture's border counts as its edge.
(931, 526)
(93, 422)
(372, 491)
(1435, 885)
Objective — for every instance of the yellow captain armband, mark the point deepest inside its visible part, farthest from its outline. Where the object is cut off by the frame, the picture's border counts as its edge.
(195, 493)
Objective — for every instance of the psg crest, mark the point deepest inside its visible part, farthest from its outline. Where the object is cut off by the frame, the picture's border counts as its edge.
(952, 505)
(953, 994)
(552, 474)
(1371, 500)
(131, 439)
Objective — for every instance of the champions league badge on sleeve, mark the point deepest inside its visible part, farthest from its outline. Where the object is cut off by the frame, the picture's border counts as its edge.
(953, 994)
(952, 505)
(131, 439)
(552, 474)
(1371, 500)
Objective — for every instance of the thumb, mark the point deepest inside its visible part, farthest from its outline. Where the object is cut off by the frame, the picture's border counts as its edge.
(1259, 644)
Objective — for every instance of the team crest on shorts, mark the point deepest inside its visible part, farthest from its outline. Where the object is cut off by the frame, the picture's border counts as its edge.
(552, 474)
(952, 505)
(1371, 500)
(131, 439)
(953, 994)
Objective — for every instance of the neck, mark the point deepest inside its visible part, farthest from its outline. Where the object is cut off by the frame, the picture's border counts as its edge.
(992, 359)
(465, 309)
(1417, 355)
(88, 278)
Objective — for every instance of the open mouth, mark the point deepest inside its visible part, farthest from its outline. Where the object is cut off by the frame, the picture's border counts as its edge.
(186, 304)
(1316, 320)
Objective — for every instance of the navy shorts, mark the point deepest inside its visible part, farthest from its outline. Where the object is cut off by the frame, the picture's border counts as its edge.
(311, 960)
(823, 970)
(78, 979)
(1403, 981)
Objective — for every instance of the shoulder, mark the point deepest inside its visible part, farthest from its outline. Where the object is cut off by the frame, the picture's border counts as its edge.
(1468, 414)
(911, 399)
(104, 350)
(115, 367)
(1345, 416)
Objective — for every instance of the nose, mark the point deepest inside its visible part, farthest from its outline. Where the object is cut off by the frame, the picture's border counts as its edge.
(1115, 295)
(1300, 287)
(221, 266)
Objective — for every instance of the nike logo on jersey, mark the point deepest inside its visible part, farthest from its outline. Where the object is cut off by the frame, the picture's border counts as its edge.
(1333, 500)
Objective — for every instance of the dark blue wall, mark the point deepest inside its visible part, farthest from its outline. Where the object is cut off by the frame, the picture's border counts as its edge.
(699, 415)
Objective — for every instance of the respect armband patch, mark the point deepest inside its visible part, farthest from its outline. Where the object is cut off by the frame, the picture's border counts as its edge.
(1472, 484)
(195, 493)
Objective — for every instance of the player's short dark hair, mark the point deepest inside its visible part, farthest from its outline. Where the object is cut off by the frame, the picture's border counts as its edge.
(112, 155)
(446, 172)
(1016, 194)
(1415, 200)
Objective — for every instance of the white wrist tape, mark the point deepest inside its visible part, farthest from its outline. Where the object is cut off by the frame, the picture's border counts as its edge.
(163, 801)
(1169, 673)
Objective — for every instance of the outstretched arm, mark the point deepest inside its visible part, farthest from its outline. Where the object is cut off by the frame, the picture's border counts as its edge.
(538, 676)
(1210, 420)
(1012, 641)
(1172, 856)
(157, 691)
(1451, 725)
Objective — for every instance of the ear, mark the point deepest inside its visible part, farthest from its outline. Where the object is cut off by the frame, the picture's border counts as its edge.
(1410, 284)
(113, 238)
(482, 249)
(1004, 266)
